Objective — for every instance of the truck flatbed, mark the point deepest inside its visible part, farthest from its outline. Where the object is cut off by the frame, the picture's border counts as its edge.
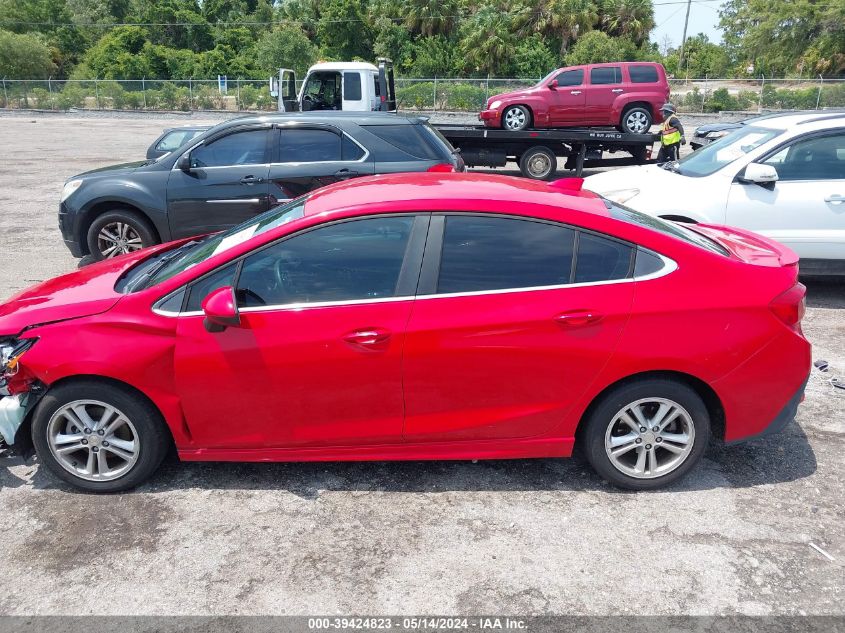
(536, 150)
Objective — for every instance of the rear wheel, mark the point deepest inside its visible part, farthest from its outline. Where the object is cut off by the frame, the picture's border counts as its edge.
(516, 118)
(539, 163)
(118, 232)
(647, 434)
(99, 437)
(636, 120)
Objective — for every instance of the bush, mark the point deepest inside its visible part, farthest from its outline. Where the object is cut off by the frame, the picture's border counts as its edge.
(40, 98)
(416, 96)
(461, 96)
(134, 100)
(72, 96)
(171, 97)
(114, 92)
(248, 97)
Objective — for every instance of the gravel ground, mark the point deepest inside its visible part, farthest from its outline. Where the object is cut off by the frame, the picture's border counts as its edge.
(518, 537)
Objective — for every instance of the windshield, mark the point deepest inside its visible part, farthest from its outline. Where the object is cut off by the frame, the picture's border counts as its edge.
(215, 244)
(675, 229)
(712, 158)
(549, 76)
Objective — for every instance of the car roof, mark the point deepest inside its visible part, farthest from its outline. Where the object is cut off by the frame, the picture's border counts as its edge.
(343, 66)
(789, 120)
(450, 191)
(329, 116)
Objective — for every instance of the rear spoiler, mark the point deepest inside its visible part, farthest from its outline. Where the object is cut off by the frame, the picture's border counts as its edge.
(748, 246)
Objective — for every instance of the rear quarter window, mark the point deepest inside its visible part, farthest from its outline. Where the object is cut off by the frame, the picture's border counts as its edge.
(412, 140)
(643, 74)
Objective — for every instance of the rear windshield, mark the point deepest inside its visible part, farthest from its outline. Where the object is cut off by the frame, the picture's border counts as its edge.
(676, 230)
(419, 140)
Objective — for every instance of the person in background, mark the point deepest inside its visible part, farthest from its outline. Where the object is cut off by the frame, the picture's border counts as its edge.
(671, 135)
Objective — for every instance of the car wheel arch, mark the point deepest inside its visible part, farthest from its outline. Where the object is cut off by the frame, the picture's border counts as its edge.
(711, 399)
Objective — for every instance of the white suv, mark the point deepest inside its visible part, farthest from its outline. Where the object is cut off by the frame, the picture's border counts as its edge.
(782, 177)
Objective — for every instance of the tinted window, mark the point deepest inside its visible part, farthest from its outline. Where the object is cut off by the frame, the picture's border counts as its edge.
(308, 146)
(240, 148)
(351, 260)
(601, 259)
(571, 78)
(412, 140)
(352, 86)
(176, 139)
(482, 253)
(351, 150)
(607, 75)
(199, 290)
(643, 74)
(647, 263)
(821, 158)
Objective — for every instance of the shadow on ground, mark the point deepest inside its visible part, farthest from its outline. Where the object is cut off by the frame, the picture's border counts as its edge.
(781, 458)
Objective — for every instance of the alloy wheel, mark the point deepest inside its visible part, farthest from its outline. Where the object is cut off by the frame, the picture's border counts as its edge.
(93, 440)
(637, 122)
(515, 119)
(649, 438)
(118, 238)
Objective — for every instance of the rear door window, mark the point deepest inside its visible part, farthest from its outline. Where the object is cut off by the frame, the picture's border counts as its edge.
(606, 75)
(485, 253)
(643, 74)
(309, 146)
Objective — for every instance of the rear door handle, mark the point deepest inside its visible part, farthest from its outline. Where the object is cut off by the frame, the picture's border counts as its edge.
(616, 90)
(835, 198)
(575, 92)
(345, 173)
(368, 338)
(250, 180)
(577, 318)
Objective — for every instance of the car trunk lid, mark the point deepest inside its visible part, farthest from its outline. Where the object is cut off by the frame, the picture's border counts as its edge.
(748, 246)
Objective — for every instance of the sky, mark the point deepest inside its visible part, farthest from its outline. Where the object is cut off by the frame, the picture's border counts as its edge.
(669, 18)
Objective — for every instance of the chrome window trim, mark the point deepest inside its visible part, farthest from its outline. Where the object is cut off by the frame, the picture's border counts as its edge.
(669, 266)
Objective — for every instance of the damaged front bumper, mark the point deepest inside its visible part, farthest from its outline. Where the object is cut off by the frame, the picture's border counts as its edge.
(12, 414)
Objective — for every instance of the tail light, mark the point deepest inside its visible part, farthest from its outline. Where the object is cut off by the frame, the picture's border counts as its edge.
(442, 168)
(789, 307)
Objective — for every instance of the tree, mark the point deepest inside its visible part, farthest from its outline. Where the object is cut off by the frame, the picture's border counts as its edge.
(565, 20)
(117, 55)
(285, 47)
(532, 58)
(430, 17)
(432, 57)
(343, 32)
(596, 47)
(487, 40)
(24, 56)
(632, 19)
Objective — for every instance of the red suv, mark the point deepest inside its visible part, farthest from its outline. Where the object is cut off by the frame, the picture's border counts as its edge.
(627, 95)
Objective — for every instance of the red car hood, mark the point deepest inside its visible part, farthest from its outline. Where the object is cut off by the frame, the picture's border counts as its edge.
(516, 94)
(84, 292)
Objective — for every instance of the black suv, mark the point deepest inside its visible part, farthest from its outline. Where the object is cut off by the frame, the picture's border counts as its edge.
(236, 170)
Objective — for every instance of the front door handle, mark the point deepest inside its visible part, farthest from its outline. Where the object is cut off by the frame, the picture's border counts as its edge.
(370, 338)
(345, 173)
(835, 198)
(574, 92)
(616, 90)
(250, 180)
(577, 318)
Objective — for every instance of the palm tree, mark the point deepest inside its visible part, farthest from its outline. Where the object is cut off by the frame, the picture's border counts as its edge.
(566, 20)
(487, 38)
(430, 17)
(629, 18)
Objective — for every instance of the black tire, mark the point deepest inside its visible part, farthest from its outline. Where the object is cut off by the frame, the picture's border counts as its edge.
(139, 232)
(153, 436)
(639, 152)
(604, 415)
(521, 117)
(538, 163)
(636, 120)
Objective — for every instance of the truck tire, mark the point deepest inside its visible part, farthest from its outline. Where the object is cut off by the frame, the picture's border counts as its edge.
(119, 231)
(538, 163)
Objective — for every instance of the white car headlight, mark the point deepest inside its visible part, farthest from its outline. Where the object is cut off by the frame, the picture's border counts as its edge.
(495, 105)
(621, 195)
(718, 134)
(69, 188)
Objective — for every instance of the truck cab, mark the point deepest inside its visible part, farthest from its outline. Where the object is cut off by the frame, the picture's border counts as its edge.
(348, 86)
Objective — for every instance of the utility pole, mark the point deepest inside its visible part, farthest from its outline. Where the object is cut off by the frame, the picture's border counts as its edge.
(684, 38)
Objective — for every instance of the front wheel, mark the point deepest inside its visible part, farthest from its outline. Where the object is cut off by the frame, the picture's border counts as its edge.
(118, 232)
(99, 437)
(647, 434)
(636, 121)
(516, 118)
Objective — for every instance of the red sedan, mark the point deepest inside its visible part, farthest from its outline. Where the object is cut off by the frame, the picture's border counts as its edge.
(415, 316)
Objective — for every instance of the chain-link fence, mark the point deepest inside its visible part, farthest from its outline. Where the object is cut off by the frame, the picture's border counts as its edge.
(434, 94)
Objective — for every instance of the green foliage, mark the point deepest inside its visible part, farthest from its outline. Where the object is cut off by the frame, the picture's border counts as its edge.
(24, 56)
(285, 47)
(532, 58)
(343, 31)
(597, 46)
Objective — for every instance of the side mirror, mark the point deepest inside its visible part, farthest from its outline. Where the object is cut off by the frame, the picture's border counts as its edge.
(184, 162)
(553, 84)
(759, 174)
(221, 310)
